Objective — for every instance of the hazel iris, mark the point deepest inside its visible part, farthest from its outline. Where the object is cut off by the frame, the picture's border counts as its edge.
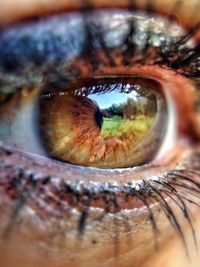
(104, 122)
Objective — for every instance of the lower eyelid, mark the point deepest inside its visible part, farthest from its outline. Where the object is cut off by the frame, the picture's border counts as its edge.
(50, 205)
(39, 169)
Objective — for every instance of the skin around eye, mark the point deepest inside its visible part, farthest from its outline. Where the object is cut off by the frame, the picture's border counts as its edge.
(77, 217)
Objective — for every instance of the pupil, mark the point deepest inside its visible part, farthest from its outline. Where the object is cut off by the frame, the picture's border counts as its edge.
(99, 118)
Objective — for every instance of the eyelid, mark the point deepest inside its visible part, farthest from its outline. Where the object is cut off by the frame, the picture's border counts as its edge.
(20, 9)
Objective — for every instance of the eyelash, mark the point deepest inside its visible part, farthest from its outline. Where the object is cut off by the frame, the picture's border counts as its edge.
(21, 185)
(170, 184)
(186, 63)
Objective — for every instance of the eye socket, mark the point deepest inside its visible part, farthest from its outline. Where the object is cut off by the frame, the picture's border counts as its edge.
(108, 122)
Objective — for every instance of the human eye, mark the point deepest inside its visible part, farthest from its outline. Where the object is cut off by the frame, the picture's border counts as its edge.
(114, 195)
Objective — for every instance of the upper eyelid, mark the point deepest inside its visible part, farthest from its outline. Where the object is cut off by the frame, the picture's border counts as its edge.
(31, 34)
(184, 10)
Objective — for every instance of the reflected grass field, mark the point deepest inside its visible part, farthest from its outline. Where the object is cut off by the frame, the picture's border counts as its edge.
(116, 126)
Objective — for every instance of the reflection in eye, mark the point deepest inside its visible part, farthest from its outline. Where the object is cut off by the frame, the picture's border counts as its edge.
(104, 124)
(68, 84)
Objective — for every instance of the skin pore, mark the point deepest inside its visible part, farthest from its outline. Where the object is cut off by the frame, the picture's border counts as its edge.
(51, 228)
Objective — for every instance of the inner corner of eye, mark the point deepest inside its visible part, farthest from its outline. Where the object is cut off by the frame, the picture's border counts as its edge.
(103, 122)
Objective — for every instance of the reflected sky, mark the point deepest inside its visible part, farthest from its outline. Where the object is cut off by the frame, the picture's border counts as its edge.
(106, 100)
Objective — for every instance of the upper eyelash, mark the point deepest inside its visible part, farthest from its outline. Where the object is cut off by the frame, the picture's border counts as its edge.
(176, 55)
(188, 59)
(25, 184)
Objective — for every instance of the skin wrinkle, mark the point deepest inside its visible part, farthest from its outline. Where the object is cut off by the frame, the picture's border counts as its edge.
(140, 253)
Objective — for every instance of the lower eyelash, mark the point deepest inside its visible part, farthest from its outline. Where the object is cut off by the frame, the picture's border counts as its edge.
(58, 196)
